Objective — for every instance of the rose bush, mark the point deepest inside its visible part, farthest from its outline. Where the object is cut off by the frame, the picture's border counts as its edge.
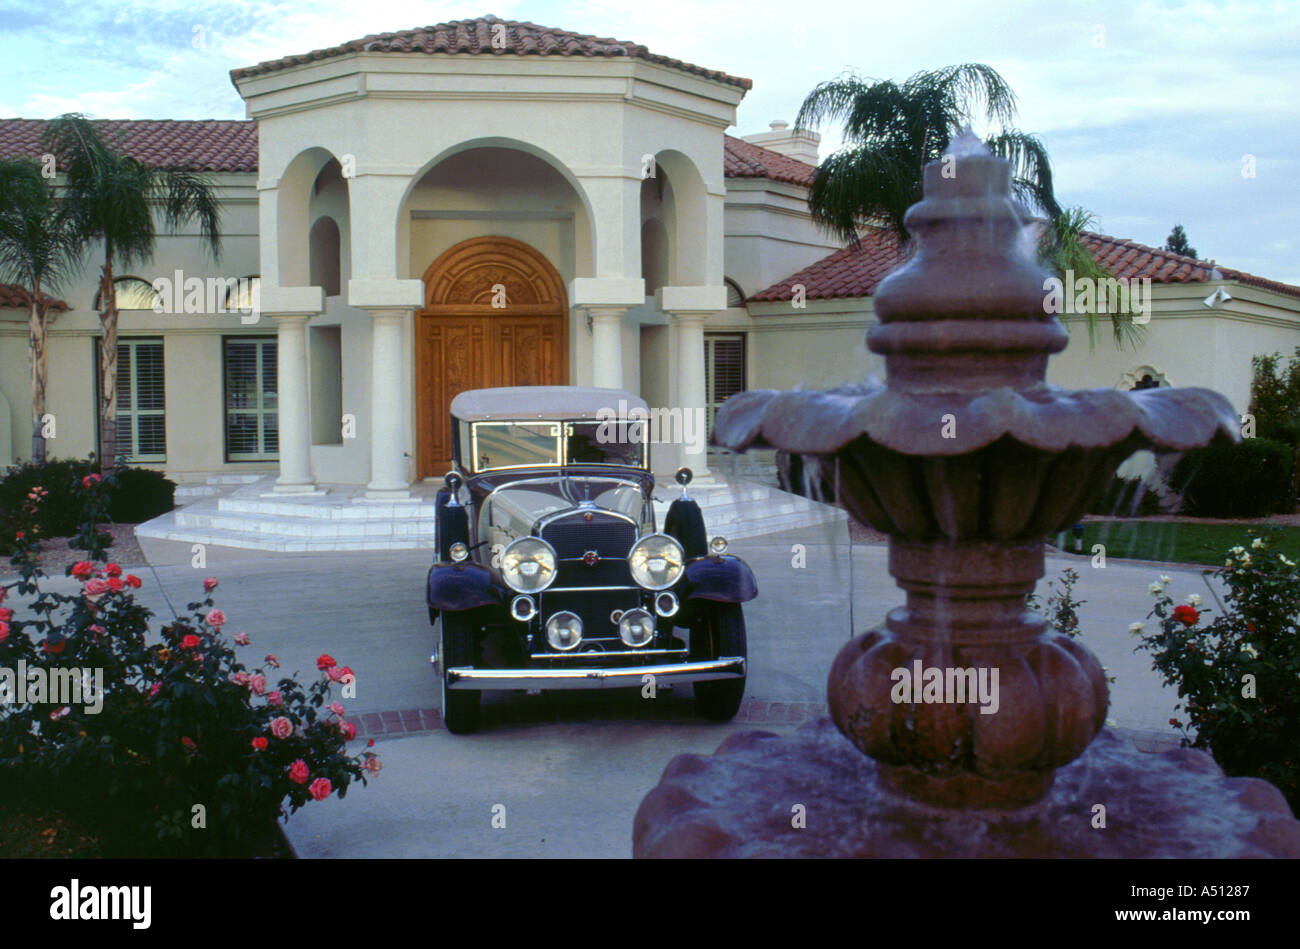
(1238, 674)
(187, 755)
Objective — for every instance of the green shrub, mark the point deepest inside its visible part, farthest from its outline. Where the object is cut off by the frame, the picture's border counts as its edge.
(1246, 480)
(140, 494)
(1126, 498)
(133, 495)
(1236, 676)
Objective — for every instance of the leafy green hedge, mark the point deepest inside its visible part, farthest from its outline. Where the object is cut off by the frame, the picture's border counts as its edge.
(136, 494)
(1246, 480)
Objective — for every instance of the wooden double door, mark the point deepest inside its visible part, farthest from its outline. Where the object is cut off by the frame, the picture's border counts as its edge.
(495, 314)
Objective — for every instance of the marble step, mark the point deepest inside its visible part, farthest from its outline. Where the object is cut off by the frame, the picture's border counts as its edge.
(165, 528)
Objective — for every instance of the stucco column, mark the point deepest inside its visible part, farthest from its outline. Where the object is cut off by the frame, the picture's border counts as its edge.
(387, 455)
(293, 403)
(691, 393)
(607, 346)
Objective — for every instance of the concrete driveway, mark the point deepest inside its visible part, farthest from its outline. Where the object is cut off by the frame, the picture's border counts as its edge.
(564, 773)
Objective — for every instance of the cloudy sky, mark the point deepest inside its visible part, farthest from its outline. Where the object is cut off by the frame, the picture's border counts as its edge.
(1151, 110)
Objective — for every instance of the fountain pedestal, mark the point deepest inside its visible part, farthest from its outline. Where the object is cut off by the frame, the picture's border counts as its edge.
(967, 459)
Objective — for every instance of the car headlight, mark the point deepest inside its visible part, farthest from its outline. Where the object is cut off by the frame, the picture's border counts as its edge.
(657, 561)
(528, 565)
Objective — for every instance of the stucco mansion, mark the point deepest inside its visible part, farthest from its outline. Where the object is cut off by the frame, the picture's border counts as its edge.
(385, 192)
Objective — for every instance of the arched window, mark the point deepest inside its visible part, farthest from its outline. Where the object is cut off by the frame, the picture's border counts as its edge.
(1143, 377)
(133, 293)
(323, 260)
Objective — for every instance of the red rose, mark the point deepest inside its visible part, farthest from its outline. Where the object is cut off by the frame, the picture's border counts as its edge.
(209, 584)
(19, 536)
(54, 648)
(1186, 615)
(189, 744)
(132, 581)
(370, 743)
(83, 569)
(6, 614)
(259, 743)
(299, 772)
(113, 570)
(4, 631)
(190, 641)
(115, 584)
(326, 661)
(349, 730)
(320, 789)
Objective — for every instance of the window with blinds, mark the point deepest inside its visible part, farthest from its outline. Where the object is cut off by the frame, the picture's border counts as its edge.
(252, 419)
(141, 405)
(724, 370)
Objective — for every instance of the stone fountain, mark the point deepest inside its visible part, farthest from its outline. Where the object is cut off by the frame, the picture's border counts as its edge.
(967, 459)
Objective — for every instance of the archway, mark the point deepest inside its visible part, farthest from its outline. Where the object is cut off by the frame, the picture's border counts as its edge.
(495, 314)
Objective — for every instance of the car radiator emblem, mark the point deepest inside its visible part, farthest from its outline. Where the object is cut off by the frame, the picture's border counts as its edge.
(590, 558)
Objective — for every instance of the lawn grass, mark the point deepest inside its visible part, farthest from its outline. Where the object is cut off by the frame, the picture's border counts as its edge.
(1177, 541)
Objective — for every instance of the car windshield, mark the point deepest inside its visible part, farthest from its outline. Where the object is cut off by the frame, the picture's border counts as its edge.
(519, 444)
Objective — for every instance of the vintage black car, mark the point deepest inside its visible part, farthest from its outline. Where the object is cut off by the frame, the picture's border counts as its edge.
(550, 572)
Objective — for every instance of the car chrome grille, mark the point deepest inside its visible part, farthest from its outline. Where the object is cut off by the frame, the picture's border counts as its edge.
(573, 535)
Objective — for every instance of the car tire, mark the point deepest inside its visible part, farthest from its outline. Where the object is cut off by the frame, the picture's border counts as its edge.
(721, 627)
(460, 708)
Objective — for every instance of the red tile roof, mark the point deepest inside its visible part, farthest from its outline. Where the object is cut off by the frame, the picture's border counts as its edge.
(14, 297)
(744, 159)
(209, 145)
(230, 145)
(856, 272)
(475, 37)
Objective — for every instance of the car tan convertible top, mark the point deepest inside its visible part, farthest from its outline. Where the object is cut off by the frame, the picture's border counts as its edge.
(544, 402)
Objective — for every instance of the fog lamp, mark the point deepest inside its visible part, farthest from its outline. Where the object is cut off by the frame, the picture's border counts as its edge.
(718, 545)
(459, 552)
(666, 604)
(564, 631)
(523, 608)
(636, 628)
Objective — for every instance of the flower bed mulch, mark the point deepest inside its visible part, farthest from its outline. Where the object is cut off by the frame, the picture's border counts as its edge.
(57, 554)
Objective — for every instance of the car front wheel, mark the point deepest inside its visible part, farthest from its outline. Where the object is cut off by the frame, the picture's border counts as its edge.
(460, 707)
(719, 631)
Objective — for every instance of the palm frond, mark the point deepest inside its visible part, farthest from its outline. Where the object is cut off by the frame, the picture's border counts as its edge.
(1031, 169)
(862, 183)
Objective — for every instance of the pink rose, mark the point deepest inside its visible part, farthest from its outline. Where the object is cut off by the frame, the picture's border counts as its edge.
(372, 764)
(257, 683)
(59, 713)
(216, 618)
(6, 614)
(4, 631)
(349, 730)
(154, 690)
(320, 788)
(209, 584)
(273, 660)
(241, 639)
(240, 678)
(281, 727)
(337, 708)
(298, 772)
(95, 587)
(274, 698)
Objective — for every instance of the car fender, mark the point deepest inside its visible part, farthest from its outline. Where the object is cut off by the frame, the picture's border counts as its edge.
(453, 587)
(725, 579)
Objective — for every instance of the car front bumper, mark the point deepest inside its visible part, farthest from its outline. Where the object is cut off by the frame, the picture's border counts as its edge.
(618, 677)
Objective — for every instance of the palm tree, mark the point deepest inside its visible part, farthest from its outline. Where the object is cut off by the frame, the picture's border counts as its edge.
(894, 130)
(111, 197)
(38, 251)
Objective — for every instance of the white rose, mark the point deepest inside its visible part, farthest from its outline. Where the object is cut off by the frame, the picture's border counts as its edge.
(1155, 589)
(1257, 543)
(1136, 628)
(1164, 578)
(1195, 600)
(1250, 650)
